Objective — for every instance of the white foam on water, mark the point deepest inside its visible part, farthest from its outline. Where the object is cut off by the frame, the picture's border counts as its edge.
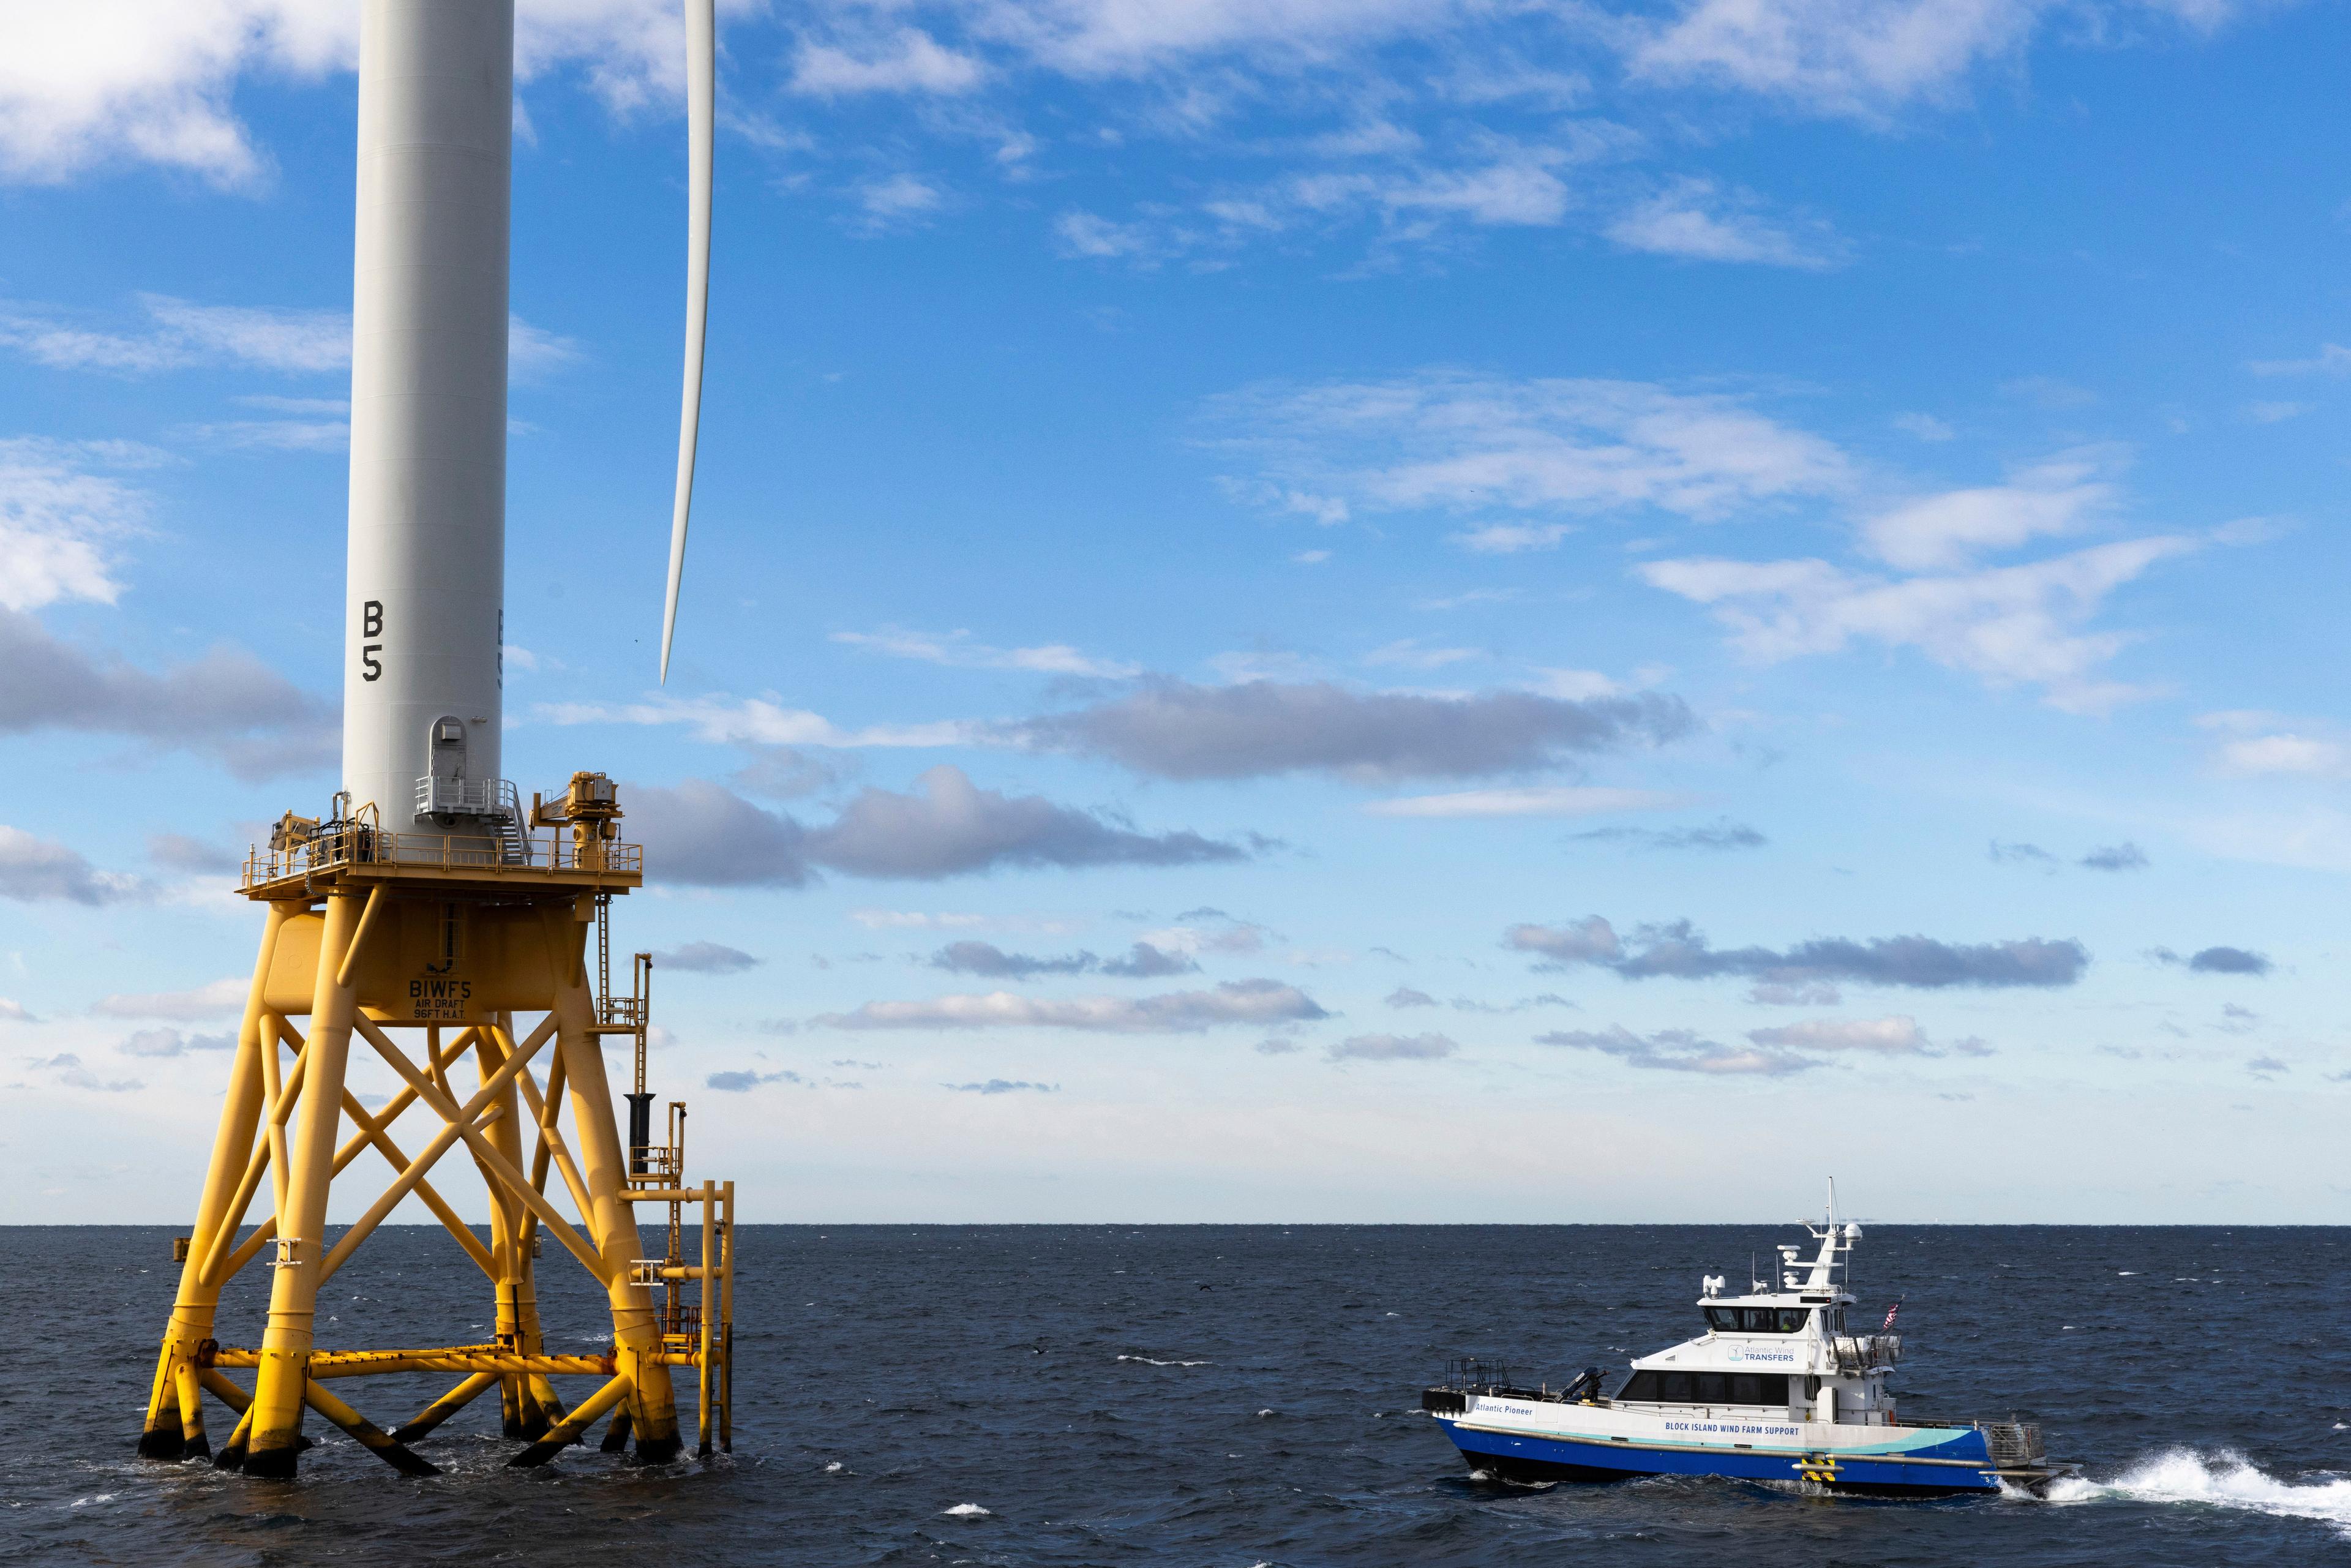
(1149, 1362)
(2219, 1481)
(969, 1511)
(834, 1468)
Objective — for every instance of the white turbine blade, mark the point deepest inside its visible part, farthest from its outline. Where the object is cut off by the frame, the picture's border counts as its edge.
(701, 107)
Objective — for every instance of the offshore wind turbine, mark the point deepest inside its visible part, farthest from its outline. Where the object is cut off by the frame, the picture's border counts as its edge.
(424, 901)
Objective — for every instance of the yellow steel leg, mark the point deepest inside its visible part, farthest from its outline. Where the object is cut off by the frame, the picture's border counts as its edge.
(196, 1445)
(192, 1313)
(519, 1414)
(284, 1374)
(567, 1431)
(616, 1436)
(636, 1336)
(232, 1454)
(363, 1431)
(448, 1405)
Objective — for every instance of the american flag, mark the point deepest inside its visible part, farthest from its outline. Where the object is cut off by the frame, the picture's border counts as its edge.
(1888, 1327)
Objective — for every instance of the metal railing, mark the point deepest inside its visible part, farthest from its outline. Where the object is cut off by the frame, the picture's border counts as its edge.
(438, 797)
(449, 852)
(2013, 1443)
(1863, 1353)
(655, 1165)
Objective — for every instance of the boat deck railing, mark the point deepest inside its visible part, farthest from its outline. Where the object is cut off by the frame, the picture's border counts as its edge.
(1863, 1352)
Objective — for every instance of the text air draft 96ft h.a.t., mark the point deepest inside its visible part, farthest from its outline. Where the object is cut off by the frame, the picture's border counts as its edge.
(1779, 1388)
(428, 912)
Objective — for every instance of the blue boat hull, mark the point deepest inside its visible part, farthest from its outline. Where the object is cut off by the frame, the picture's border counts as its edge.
(1525, 1457)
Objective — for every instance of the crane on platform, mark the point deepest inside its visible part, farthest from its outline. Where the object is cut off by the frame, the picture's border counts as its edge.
(428, 914)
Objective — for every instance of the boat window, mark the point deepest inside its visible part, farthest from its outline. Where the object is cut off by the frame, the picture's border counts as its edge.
(1705, 1388)
(1723, 1319)
(1791, 1320)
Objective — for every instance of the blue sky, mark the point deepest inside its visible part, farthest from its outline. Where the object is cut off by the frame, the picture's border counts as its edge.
(1298, 612)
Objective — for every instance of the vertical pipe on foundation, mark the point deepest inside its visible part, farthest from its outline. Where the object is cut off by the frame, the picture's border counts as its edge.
(709, 1301)
(278, 1394)
(726, 1328)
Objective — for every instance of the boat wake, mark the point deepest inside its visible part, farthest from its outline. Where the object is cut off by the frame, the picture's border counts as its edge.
(2221, 1481)
(1148, 1361)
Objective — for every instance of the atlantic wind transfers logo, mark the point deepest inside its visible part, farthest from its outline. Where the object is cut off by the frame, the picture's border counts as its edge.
(1754, 1352)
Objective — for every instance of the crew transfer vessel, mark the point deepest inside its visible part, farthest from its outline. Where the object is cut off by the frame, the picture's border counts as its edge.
(1779, 1388)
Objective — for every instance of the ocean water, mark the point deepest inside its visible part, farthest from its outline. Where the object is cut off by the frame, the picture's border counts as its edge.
(1225, 1395)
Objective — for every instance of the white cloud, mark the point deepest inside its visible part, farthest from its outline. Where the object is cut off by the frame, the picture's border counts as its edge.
(754, 721)
(1855, 57)
(906, 60)
(2292, 754)
(2017, 625)
(179, 334)
(1408, 654)
(1575, 685)
(1696, 220)
(57, 519)
(216, 999)
(1088, 234)
(1394, 1048)
(915, 920)
(1257, 1003)
(899, 196)
(1680, 1051)
(2057, 495)
(957, 649)
(1512, 539)
(1924, 426)
(2257, 745)
(2332, 359)
(270, 434)
(531, 351)
(1516, 191)
(36, 870)
(1897, 1036)
(102, 82)
(1113, 37)
(168, 1043)
(1538, 801)
(1450, 439)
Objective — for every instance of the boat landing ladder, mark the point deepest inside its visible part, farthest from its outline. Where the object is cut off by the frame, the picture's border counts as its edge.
(1817, 1466)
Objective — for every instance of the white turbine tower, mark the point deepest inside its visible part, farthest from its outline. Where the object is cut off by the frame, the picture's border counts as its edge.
(425, 596)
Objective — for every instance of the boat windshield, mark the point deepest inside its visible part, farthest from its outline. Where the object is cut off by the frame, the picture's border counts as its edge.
(1757, 1320)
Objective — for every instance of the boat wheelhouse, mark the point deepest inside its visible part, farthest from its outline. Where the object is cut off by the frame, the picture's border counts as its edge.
(1780, 1387)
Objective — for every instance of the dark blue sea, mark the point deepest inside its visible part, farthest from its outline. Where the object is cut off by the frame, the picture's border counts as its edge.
(1222, 1396)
